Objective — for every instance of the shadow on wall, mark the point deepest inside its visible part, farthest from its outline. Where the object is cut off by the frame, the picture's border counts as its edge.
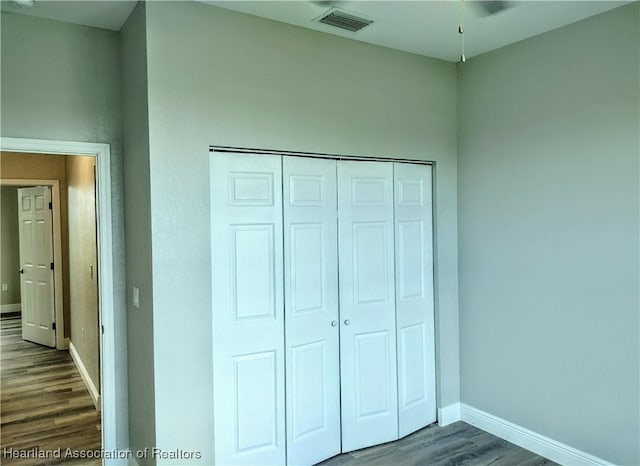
(9, 254)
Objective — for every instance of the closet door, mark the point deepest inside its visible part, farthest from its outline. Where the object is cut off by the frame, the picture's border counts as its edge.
(311, 310)
(248, 323)
(414, 297)
(367, 304)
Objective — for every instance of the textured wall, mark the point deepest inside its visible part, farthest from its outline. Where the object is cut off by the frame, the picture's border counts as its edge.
(548, 214)
(225, 78)
(138, 233)
(9, 253)
(83, 263)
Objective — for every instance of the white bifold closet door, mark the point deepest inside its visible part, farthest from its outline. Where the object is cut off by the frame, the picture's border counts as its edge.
(311, 306)
(367, 304)
(414, 297)
(323, 322)
(248, 321)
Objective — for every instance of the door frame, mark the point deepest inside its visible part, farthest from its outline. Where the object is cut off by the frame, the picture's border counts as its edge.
(107, 321)
(62, 343)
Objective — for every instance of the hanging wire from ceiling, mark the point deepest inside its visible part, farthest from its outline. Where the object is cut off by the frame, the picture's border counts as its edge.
(461, 32)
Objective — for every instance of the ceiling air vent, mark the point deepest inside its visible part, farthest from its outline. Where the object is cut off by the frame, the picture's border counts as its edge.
(344, 20)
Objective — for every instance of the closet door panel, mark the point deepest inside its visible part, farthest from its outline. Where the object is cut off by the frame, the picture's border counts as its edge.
(248, 316)
(311, 307)
(414, 297)
(367, 304)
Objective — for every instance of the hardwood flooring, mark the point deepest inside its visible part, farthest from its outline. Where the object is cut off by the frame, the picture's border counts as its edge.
(458, 444)
(44, 404)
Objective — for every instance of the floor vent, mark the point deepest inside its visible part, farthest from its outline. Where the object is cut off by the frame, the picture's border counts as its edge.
(344, 20)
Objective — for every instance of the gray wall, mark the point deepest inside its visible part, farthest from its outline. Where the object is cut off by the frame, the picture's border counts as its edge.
(9, 241)
(548, 217)
(61, 81)
(83, 262)
(220, 77)
(138, 232)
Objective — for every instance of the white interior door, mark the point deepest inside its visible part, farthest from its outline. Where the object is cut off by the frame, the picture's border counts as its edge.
(367, 304)
(311, 310)
(414, 297)
(248, 323)
(36, 259)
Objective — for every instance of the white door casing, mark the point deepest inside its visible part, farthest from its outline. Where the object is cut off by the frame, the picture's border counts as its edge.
(414, 297)
(367, 304)
(248, 317)
(311, 310)
(36, 262)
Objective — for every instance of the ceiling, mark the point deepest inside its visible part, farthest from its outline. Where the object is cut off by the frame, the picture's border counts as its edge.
(424, 27)
(430, 28)
(96, 13)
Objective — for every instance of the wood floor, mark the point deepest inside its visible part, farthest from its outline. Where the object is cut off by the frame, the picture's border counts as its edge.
(43, 402)
(458, 444)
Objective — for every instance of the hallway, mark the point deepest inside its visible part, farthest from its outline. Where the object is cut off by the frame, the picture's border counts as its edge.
(43, 402)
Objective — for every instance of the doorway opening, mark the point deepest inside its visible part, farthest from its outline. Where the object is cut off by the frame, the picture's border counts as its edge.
(54, 233)
(111, 381)
(12, 272)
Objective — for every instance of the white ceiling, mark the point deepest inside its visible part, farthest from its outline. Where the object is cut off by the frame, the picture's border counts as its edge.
(430, 28)
(97, 13)
(424, 27)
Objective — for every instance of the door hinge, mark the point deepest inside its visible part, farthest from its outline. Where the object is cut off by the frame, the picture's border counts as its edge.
(52, 266)
(102, 329)
(53, 326)
(50, 205)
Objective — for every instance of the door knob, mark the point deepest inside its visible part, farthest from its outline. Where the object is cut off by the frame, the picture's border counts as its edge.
(21, 271)
(347, 321)
(334, 323)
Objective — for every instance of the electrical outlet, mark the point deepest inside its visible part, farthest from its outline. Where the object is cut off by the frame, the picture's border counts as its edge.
(5, 287)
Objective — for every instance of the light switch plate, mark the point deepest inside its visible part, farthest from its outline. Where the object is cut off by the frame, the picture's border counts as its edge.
(136, 297)
(5, 287)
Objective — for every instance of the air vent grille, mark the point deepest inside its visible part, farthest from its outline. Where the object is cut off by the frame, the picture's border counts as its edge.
(344, 20)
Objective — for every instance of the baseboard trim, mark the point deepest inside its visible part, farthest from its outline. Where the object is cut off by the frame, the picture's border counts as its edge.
(6, 308)
(93, 391)
(525, 438)
(123, 458)
(449, 414)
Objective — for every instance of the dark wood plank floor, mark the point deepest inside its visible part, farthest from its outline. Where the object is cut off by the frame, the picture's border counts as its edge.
(458, 444)
(44, 403)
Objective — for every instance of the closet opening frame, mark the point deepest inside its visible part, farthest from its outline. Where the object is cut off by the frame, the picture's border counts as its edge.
(315, 155)
(442, 417)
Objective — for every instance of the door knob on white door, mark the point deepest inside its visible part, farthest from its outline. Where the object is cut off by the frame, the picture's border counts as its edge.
(347, 321)
(334, 323)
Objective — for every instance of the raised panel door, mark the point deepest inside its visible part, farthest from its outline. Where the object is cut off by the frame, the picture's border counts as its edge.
(248, 309)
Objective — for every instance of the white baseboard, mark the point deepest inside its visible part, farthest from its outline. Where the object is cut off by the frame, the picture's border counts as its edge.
(449, 414)
(6, 308)
(127, 459)
(525, 438)
(93, 391)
